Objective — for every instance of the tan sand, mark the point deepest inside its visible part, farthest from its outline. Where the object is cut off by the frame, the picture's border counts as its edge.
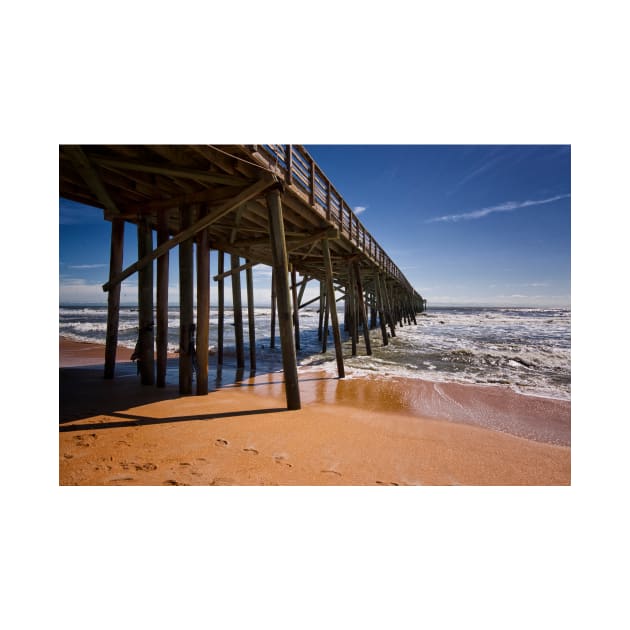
(353, 432)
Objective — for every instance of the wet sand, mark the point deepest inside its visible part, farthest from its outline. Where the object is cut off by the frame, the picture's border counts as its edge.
(349, 432)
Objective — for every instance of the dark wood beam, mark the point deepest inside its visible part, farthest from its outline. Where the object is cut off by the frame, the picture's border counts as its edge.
(170, 171)
(215, 215)
(85, 168)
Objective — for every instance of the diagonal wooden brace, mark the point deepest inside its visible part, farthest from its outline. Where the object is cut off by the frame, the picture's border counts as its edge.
(215, 215)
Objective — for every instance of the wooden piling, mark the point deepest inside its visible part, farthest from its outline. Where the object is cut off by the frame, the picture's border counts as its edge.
(272, 343)
(300, 299)
(326, 320)
(330, 301)
(237, 309)
(296, 317)
(389, 308)
(113, 298)
(352, 311)
(320, 313)
(161, 311)
(361, 306)
(280, 269)
(220, 306)
(381, 308)
(203, 308)
(145, 351)
(251, 319)
(185, 306)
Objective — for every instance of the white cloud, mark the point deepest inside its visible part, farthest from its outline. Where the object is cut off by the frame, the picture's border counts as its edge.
(360, 209)
(508, 206)
(95, 266)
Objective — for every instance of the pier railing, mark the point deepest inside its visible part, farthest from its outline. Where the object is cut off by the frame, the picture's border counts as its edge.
(300, 170)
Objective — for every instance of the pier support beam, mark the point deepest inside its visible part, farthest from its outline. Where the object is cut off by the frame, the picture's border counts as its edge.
(296, 307)
(272, 343)
(326, 318)
(185, 307)
(251, 320)
(351, 309)
(237, 309)
(161, 310)
(145, 352)
(321, 310)
(332, 305)
(388, 307)
(113, 298)
(281, 273)
(220, 306)
(203, 308)
(361, 305)
(381, 308)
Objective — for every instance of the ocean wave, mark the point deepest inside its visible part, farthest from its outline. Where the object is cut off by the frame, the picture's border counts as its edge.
(528, 350)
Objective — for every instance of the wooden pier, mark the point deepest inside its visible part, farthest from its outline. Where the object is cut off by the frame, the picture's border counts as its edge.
(262, 204)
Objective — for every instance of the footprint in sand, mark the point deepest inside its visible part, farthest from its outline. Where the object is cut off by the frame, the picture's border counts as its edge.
(222, 481)
(251, 450)
(172, 482)
(84, 440)
(386, 483)
(221, 442)
(68, 455)
(147, 467)
(279, 459)
(332, 472)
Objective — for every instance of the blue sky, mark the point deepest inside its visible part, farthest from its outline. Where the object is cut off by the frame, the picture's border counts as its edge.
(467, 225)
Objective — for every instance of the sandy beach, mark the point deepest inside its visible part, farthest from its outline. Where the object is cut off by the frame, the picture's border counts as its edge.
(349, 432)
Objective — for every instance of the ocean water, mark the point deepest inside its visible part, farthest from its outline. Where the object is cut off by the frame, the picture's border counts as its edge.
(527, 349)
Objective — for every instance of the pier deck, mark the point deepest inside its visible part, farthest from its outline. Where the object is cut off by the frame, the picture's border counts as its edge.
(267, 204)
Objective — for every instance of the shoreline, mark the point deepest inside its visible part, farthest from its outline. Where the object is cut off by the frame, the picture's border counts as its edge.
(348, 432)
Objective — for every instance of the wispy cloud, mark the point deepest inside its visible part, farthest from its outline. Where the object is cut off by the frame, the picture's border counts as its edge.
(508, 206)
(478, 171)
(95, 266)
(360, 209)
